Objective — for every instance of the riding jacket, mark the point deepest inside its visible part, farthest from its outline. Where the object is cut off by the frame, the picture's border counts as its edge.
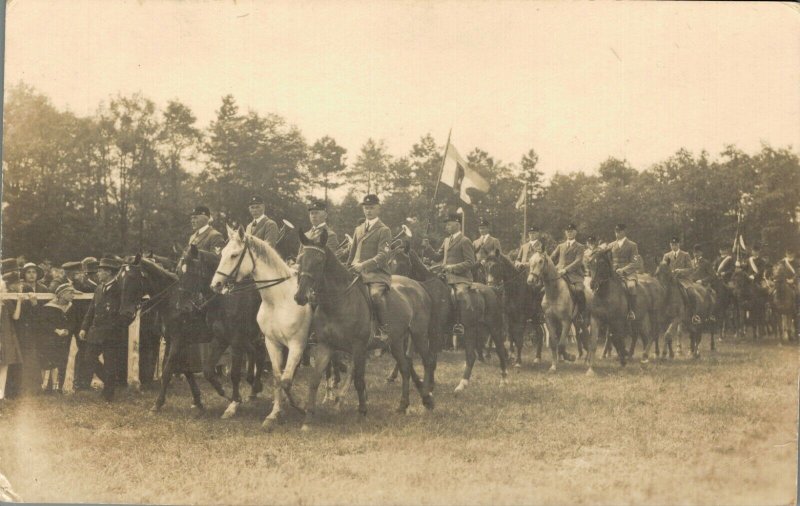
(457, 253)
(265, 229)
(569, 256)
(371, 247)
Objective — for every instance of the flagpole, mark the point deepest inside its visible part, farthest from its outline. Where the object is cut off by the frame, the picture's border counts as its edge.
(438, 180)
(525, 212)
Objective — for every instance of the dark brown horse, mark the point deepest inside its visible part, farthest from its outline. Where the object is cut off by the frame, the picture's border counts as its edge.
(522, 303)
(678, 298)
(783, 300)
(342, 321)
(751, 300)
(609, 307)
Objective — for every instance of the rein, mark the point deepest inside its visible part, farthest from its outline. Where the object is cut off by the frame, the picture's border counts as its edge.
(156, 299)
(309, 276)
(255, 284)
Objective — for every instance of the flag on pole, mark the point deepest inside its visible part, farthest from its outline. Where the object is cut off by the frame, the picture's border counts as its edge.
(523, 197)
(457, 174)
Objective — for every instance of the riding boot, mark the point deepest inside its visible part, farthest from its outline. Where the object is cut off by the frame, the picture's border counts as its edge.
(631, 305)
(458, 327)
(381, 334)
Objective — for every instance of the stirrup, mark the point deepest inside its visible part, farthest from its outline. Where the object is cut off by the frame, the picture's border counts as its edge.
(381, 333)
(458, 329)
(631, 315)
(696, 320)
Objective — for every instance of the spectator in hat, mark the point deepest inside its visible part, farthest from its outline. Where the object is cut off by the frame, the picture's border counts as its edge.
(84, 279)
(10, 270)
(10, 351)
(527, 250)
(485, 245)
(25, 316)
(369, 257)
(57, 322)
(104, 329)
(58, 276)
(204, 236)
(262, 226)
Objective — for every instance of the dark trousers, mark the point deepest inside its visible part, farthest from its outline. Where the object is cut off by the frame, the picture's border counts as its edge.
(83, 373)
(113, 352)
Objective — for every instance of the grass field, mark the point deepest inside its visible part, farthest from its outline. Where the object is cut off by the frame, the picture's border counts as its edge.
(718, 430)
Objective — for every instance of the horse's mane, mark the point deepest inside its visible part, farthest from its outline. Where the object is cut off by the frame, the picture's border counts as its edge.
(155, 270)
(418, 265)
(267, 253)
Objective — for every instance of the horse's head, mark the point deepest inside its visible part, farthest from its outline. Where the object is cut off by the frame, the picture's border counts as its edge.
(235, 261)
(400, 263)
(536, 268)
(310, 267)
(495, 269)
(601, 267)
(131, 280)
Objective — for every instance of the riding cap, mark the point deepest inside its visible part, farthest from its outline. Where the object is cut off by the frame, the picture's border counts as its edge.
(674, 240)
(533, 228)
(317, 205)
(483, 222)
(571, 226)
(9, 264)
(697, 247)
(204, 210)
(64, 287)
(591, 238)
(255, 200)
(454, 217)
(71, 266)
(370, 200)
(110, 263)
(31, 265)
(89, 264)
(619, 227)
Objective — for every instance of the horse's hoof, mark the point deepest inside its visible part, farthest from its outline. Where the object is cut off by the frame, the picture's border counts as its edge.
(362, 412)
(517, 364)
(390, 379)
(462, 385)
(252, 398)
(269, 424)
(537, 360)
(590, 373)
(305, 428)
(401, 410)
(552, 368)
(644, 361)
(156, 408)
(198, 407)
(230, 411)
(286, 384)
(503, 381)
(427, 401)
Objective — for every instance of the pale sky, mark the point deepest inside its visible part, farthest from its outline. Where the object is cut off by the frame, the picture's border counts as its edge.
(578, 82)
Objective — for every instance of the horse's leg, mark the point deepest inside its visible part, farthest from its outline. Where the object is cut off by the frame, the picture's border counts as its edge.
(516, 331)
(260, 363)
(469, 351)
(274, 350)
(209, 370)
(590, 343)
(421, 343)
(393, 375)
(496, 332)
(397, 347)
(237, 360)
(645, 331)
(617, 331)
(166, 374)
(321, 354)
(538, 336)
(359, 369)
(554, 329)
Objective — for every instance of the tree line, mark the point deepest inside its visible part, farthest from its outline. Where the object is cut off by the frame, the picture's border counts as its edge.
(125, 179)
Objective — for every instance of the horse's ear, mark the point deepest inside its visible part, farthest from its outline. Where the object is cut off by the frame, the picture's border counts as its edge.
(230, 231)
(240, 231)
(323, 237)
(193, 252)
(176, 248)
(137, 259)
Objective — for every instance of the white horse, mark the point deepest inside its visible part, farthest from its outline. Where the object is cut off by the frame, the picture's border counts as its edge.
(282, 321)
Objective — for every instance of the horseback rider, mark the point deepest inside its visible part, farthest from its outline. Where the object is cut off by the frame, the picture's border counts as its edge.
(786, 270)
(485, 245)
(679, 261)
(702, 271)
(724, 265)
(369, 258)
(627, 263)
(757, 266)
(568, 257)
(318, 216)
(458, 257)
(527, 250)
(205, 237)
(262, 227)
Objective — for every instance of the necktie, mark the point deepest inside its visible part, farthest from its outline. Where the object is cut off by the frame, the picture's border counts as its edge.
(366, 226)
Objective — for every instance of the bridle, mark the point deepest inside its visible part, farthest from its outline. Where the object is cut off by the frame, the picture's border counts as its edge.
(254, 284)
